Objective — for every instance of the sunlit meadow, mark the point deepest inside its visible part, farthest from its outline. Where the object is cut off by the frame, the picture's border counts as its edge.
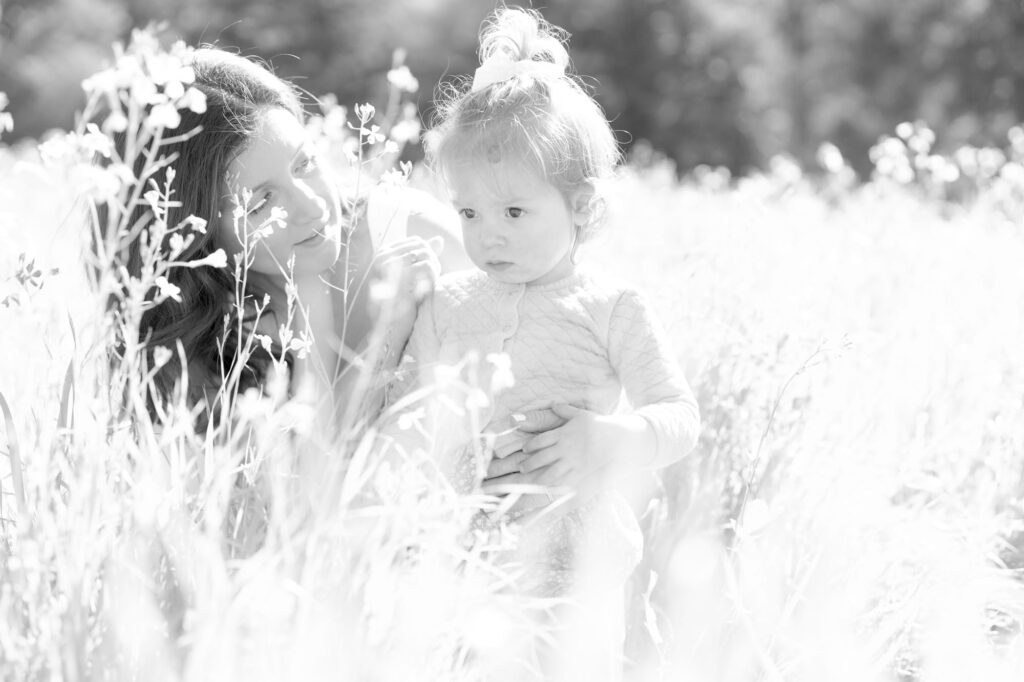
(852, 511)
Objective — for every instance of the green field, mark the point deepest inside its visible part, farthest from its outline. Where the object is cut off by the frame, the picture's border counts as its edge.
(852, 511)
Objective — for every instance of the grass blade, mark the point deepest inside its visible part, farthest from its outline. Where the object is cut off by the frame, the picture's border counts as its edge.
(15, 456)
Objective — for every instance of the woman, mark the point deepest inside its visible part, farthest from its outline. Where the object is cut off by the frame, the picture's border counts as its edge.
(246, 169)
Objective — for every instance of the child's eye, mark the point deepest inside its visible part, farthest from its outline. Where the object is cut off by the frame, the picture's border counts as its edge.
(467, 213)
(514, 212)
(261, 204)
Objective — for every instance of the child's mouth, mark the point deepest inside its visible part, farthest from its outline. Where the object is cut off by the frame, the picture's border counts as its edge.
(500, 265)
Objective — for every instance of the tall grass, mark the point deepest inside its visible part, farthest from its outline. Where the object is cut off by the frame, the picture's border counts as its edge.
(852, 510)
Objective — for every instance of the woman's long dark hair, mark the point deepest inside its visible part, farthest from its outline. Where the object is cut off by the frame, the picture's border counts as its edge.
(237, 91)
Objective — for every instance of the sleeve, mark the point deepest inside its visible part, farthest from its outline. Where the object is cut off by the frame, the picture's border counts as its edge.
(652, 378)
(421, 351)
(401, 427)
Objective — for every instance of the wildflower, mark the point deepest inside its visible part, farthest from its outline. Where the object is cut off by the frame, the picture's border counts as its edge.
(253, 407)
(167, 290)
(163, 115)
(408, 128)
(402, 79)
(102, 184)
(302, 343)
(394, 177)
(194, 100)
(278, 216)
(161, 356)
(830, 158)
(116, 122)
(502, 377)
(152, 197)
(195, 223)
(371, 135)
(56, 150)
(264, 341)
(364, 112)
(143, 91)
(411, 418)
(176, 243)
(102, 82)
(217, 259)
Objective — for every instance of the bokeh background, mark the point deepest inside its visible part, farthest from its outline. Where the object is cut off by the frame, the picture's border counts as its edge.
(854, 509)
(724, 83)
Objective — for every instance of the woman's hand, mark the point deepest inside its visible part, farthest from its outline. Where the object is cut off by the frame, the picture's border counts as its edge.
(569, 448)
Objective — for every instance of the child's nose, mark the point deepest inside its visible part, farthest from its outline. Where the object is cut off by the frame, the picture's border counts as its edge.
(492, 235)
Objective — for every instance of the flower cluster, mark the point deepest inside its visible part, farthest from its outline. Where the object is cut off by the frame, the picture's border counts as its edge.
(371, 144)
(145, 77)
(968, 175)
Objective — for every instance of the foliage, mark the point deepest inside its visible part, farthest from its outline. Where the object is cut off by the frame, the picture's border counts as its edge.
(706, 83)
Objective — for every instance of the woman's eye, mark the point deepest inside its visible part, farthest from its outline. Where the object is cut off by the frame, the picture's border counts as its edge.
(260, 204)
(308, 165)
(467, 213)
(514, 212)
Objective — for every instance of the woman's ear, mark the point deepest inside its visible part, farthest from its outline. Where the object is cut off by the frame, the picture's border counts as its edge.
(581, 201)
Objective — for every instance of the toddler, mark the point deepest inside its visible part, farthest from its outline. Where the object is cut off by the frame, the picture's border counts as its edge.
(523, 152)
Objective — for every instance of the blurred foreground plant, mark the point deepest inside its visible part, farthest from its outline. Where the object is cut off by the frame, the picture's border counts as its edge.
(148, 542)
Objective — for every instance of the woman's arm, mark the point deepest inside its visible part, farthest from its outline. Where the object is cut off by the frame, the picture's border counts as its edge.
(572, 445)
(377, 291)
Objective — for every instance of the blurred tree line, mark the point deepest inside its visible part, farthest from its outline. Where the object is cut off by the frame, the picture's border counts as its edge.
(718, 82)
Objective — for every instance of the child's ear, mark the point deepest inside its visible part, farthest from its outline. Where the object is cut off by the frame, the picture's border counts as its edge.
(581, 200)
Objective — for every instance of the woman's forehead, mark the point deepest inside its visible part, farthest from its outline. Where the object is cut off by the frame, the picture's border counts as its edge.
(270, 151)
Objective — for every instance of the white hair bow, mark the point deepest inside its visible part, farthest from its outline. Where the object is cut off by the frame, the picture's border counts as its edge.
(499, 68)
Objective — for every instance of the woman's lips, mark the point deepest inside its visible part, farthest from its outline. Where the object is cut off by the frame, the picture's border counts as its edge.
(312, 240)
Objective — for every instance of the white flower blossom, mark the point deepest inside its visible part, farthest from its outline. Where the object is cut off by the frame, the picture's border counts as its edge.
(217, 259)
(167, 290)
(196, 223)
(161, 355)
(116, 122)
(265, 342)
(194, 99)
(176, 243)
(163, 115)
(403, 79)
(502, 377)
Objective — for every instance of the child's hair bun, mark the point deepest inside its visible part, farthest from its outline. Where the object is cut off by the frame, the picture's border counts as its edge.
(523, 35)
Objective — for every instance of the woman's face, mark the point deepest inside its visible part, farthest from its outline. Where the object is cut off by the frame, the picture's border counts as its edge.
(293, 209)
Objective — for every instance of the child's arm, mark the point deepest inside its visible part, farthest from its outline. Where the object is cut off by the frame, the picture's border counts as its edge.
(646, 363)
(662, 427)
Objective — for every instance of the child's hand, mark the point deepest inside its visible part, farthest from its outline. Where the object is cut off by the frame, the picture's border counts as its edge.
(411, 266)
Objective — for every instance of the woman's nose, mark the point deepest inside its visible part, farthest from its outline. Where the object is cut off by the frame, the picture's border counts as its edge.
(309, 204)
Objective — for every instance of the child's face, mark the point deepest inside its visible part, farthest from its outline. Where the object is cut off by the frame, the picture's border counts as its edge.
(517, 227)
(279, 167)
